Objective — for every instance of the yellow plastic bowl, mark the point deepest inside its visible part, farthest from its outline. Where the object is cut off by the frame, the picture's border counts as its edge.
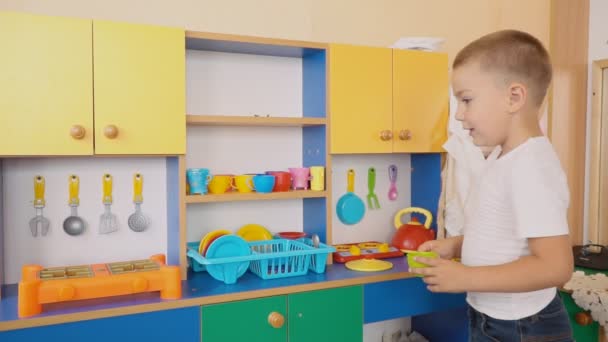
(415, 264)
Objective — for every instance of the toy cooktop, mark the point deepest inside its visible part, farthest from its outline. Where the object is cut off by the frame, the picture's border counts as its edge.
(40, 285)
(361, 250)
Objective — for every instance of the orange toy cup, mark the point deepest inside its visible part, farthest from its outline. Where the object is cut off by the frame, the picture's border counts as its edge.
(282, 180)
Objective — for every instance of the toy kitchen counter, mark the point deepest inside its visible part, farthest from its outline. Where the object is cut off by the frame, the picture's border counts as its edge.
(386, 295)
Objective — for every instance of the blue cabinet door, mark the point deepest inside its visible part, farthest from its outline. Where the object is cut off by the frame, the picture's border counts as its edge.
(181, 325)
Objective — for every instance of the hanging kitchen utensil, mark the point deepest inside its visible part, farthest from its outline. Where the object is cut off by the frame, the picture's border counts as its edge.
(39, 223)
(138, 222)
(107, 220)
(372, 199)
(74, 224)
(411, 235)
(392, 176)
(350, 208)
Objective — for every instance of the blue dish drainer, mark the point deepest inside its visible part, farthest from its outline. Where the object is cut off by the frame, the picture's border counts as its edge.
(271, 259)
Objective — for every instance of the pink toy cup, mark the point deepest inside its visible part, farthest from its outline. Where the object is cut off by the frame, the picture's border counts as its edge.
(300, 177)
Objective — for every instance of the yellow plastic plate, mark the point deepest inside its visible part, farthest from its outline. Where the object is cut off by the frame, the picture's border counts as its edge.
(209, 237)
(254, 232)
(369, 265)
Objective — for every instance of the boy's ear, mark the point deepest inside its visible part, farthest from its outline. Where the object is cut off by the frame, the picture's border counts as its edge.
(518, 94)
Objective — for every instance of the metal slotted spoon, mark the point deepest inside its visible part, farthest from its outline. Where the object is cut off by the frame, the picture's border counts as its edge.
(138, 221)
(107, 220)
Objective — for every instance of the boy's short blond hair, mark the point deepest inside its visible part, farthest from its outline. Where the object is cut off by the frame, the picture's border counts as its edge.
(518, 55)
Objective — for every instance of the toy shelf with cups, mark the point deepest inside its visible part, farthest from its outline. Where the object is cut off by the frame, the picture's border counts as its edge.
(256, 138)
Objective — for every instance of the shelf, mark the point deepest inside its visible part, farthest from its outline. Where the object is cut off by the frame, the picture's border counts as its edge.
(254, 196)
(251, 45)
(220, 120)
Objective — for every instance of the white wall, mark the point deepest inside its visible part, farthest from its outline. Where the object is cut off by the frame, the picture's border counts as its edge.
(377, 224)
(60, 249)
(377, 23)
(598, 49)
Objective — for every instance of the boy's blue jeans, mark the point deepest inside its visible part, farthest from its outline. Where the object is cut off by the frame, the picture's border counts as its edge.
(551, 324)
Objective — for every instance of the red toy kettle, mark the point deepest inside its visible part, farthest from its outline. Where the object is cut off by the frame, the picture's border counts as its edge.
(411, 235)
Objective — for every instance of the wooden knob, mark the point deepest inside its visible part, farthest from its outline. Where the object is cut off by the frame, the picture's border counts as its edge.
(583, 318)
(386, 135)
(276, 320)
(405, 134)
(110, 131)
(77, 132)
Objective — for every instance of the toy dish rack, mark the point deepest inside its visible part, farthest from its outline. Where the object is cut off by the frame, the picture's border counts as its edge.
(271, 259)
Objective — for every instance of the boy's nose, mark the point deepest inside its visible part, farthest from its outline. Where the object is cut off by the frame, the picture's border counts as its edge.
(459, 114)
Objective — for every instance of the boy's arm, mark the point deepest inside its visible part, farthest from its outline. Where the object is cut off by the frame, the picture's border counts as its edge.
(549, 264)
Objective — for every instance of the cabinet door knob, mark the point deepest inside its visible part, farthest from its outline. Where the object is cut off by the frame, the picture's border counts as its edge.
(77, 132)
(276, 320)
(583, 318)
(110, 131)
(386, 135)
(405, 134)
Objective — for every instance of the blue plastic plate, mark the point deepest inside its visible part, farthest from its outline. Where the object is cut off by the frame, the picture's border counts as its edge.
(224, 247)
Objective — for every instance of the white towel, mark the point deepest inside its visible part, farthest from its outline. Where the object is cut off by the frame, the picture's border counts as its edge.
(464, 162)
(418, 43)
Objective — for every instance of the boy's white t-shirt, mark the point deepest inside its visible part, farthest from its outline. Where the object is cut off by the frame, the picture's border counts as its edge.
(523, 194)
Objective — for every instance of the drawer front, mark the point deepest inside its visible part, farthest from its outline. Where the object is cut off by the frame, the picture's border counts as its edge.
(168, 325)
(404, 298)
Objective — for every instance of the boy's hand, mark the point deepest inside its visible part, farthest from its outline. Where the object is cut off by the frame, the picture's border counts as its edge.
(446, 248)
(443, 275)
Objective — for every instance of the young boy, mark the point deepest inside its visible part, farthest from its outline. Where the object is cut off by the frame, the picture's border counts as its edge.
(516, 249)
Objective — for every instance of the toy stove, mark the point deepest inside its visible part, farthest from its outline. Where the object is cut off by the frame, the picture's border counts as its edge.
(40, 285)
(361, 250)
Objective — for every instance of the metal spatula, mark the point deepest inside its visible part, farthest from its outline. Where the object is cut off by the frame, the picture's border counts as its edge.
(107, 221)
(138, 222)
(39, 222)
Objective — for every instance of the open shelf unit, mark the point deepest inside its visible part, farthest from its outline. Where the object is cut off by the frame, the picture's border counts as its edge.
(311, 121)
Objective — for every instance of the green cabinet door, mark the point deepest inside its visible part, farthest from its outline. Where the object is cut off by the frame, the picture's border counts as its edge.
(326, 315)
(245, 320)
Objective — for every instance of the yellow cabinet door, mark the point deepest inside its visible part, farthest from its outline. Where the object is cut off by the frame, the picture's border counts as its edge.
(360, 99)
(420, 101)
(139, 89)
(46, 79)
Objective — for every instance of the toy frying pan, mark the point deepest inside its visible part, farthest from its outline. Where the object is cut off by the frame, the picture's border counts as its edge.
(350, 207)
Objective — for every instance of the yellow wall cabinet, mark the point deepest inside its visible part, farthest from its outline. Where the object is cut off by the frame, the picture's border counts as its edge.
(81, 87)
(383, 100)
